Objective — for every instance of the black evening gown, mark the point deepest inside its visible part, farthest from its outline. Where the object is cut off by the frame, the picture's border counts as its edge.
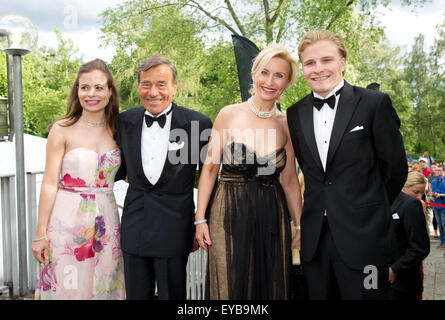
(249, 226)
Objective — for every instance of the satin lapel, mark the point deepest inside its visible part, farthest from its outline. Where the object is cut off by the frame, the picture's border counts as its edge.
(169, 169)
(177, 118)
(135, 136)
(306, 116)
(345, 109)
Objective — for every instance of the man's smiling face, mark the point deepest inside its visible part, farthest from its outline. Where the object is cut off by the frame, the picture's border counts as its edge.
(322, 66)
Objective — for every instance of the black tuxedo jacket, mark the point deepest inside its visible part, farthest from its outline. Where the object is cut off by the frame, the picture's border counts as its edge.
(413, 242)
(365, 170)
(157, 220)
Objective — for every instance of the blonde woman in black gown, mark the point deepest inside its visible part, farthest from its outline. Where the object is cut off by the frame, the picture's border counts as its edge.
(248, 233)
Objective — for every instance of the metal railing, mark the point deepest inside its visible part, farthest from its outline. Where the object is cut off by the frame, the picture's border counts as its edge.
(196, 275)
(10, 232)
(31, 220)
(196, 266)
(9, 237)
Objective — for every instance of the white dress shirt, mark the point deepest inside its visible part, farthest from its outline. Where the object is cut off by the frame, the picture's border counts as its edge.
(154, 146)
(323, 124)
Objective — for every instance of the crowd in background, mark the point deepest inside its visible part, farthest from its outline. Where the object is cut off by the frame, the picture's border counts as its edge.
(433, 198)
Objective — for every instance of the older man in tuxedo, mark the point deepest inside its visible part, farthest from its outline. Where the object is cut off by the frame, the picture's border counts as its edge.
(160, 144)
(348, 145)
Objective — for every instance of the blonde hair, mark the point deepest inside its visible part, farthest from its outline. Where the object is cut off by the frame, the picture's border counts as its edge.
(414, 178)
(321, 34)
(271, 51)
(416, 167)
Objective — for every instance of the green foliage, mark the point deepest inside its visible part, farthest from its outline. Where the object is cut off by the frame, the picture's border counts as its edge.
(219, 80)
(425, 75)
(47, 78)
(207, 77)
(3, 76)
(48, 74)
(194, 35)
(166, 32)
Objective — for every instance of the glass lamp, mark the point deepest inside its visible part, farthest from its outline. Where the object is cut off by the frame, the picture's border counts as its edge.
(18, 34)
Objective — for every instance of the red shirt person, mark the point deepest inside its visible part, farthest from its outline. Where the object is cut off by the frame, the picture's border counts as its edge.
(424, 165)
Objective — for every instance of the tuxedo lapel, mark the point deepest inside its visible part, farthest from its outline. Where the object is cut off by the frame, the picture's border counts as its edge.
(306, 116)
(135, 135)
(345, 109)
(177, 122)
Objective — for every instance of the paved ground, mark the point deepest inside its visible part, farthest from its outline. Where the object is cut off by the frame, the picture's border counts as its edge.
(434, 273)
(433, 269)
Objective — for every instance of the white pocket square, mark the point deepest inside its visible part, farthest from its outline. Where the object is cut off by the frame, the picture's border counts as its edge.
(357, 128)
(175, 146)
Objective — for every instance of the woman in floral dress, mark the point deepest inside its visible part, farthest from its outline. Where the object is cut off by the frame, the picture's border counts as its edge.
(78, 228)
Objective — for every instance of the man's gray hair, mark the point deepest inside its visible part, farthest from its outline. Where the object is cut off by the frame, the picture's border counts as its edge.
(154, 61)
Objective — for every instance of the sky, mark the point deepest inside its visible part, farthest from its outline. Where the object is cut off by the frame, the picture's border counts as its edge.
(79, 21)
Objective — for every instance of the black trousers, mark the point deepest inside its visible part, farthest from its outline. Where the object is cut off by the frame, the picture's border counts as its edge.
(143, 274)
(412, 295)
(328, 277)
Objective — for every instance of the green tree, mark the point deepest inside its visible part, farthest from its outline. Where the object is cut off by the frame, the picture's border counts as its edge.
(48, 75)
(137, 36)
(272, 20)
(187, 32)
(425, 75)
(3, 76)
(436, 96)
(219, 79)
(207, 68)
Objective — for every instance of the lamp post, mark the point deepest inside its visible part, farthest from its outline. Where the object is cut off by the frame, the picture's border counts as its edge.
(18, 36)
(10, 96)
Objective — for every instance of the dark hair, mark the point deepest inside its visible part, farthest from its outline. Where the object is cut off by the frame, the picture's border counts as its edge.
(154, 61)
(74, 109)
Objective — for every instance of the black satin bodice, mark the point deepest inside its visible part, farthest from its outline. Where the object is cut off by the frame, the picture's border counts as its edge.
(242, 164)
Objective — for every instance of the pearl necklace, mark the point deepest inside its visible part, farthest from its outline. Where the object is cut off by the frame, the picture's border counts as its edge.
(260, 114)
(91, 123)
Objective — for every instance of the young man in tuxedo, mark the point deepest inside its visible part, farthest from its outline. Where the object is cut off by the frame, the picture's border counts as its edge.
(348, 145)
(160, 144)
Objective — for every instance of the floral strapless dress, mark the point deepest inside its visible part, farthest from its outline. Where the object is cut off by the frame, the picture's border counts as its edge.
(85, 260)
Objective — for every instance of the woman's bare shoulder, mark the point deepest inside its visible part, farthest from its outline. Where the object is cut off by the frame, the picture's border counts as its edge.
(59, 130)
(231, 108)
(228, 112)
(281, 118)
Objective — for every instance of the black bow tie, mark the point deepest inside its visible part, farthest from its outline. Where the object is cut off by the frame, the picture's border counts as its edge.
(318, 103)
(161, 119)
